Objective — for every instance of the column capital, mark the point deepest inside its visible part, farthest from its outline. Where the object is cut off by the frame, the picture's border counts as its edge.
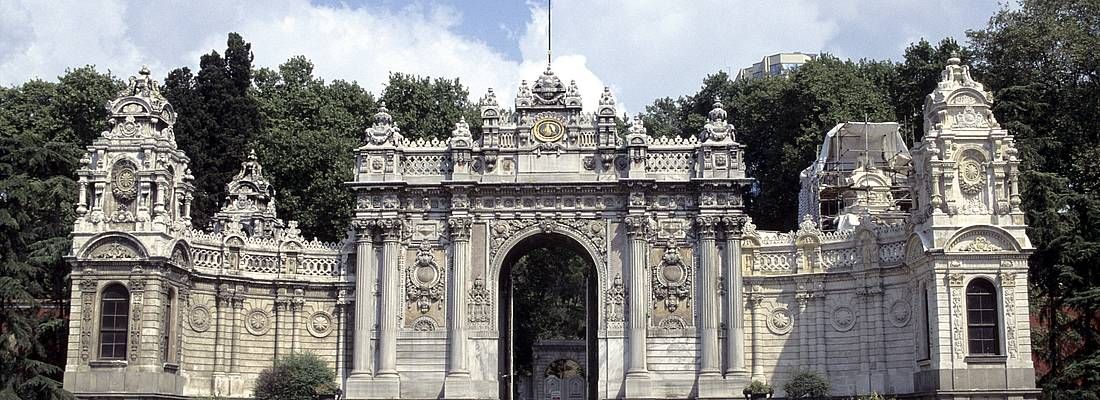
(754, 300)
(707, 225)
(733, 224)
(459, 227)
(390, 228)
(637, 226)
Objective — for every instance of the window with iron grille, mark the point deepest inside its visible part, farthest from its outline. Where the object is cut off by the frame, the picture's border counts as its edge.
(114, 318)
(982, 318)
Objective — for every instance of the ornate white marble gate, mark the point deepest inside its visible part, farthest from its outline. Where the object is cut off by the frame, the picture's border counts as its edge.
(693, 300)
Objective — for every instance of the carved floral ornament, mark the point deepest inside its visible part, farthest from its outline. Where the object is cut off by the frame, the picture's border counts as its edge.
(124, 181)
(320, 324)
(199, 318)
(843, 319)
(257, 322)
(671, 281)
(780, 321)
(425, 281)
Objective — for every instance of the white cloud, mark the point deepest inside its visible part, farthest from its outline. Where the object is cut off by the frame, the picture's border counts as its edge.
(641, 49)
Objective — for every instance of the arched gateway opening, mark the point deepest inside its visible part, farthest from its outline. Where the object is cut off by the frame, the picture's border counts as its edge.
(548, 286)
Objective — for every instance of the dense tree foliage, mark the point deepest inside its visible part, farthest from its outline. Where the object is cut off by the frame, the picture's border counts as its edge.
(308, 130)
(1040, 60)
(42, 129)
(218, 120)
(429, 108)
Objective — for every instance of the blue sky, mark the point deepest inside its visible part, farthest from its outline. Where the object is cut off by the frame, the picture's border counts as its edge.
(641, 49)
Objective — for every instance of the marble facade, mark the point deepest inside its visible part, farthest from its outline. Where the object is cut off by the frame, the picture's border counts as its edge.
(694, 301)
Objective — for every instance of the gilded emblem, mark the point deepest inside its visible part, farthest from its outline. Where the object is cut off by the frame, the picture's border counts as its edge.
(548, 130)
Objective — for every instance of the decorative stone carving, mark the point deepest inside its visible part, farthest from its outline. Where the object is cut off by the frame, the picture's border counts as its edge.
(199, 319)
(424, 324)
(88, 289)
(673, 322)
(480, 306)
(981, 244)
(616, 298)
(124, 181)
(955, 283)
(257, 322)
(971, 177)
(113, 250)
(383, 131)
(671, 281)
(425, 281)
(320, 324)
(1008, 293)
(843, 319)
(137, 295)
(717, 129)
(459, 228)
(780, 321)
(900, 313)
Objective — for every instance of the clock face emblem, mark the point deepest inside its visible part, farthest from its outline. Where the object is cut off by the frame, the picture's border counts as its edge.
(548, 130)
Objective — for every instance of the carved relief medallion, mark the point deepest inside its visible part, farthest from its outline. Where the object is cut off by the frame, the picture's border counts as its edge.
(320, 324)
(780, 321)
(199, 318)
(843, 319)
(900, 313)
(257, 322)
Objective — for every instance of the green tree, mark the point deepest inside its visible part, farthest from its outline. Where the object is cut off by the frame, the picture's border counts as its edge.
(309, 130)
(429, 108)
(299, 376)
(1039, 59)
(217, 121)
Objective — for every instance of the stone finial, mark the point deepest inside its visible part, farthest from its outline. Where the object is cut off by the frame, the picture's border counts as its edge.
(489, 99)
(717, 129)
(383, 117)
(718, 113)
(606, 98)
(637, 127)
(462, 129)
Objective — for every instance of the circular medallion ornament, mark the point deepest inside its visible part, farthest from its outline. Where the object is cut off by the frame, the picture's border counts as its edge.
(900, 312)
(843, 319)
(257, 322)
(548, 130)
(199, 317)
(780, 321)
(124, 185)
(320, 324)
(971, 179)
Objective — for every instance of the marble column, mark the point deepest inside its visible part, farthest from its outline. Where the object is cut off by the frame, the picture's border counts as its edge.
(708, 292)
(456, 305)
(753, 301)
(735, 337)
(636, 316)
(362, 356)
(387, 333)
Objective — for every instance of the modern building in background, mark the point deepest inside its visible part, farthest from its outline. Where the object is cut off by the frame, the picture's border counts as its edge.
(775, 65)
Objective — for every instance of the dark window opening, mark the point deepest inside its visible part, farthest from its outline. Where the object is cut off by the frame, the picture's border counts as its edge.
(981, 318)
(114, 318)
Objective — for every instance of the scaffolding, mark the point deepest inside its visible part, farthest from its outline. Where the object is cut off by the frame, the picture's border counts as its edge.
(849, 150)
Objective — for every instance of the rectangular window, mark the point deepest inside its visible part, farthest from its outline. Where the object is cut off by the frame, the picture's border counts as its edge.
(112, 328)
(166, 330)
(981, 317)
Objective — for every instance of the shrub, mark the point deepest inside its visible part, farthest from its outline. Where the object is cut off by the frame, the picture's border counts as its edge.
(806, 384)
(300, 376)
(757, 388)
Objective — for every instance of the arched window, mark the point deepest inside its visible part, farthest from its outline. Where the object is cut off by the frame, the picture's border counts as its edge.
(981, 318)
(114, 318)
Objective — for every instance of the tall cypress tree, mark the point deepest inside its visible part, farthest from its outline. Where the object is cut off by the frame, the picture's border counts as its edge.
(217, 121)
